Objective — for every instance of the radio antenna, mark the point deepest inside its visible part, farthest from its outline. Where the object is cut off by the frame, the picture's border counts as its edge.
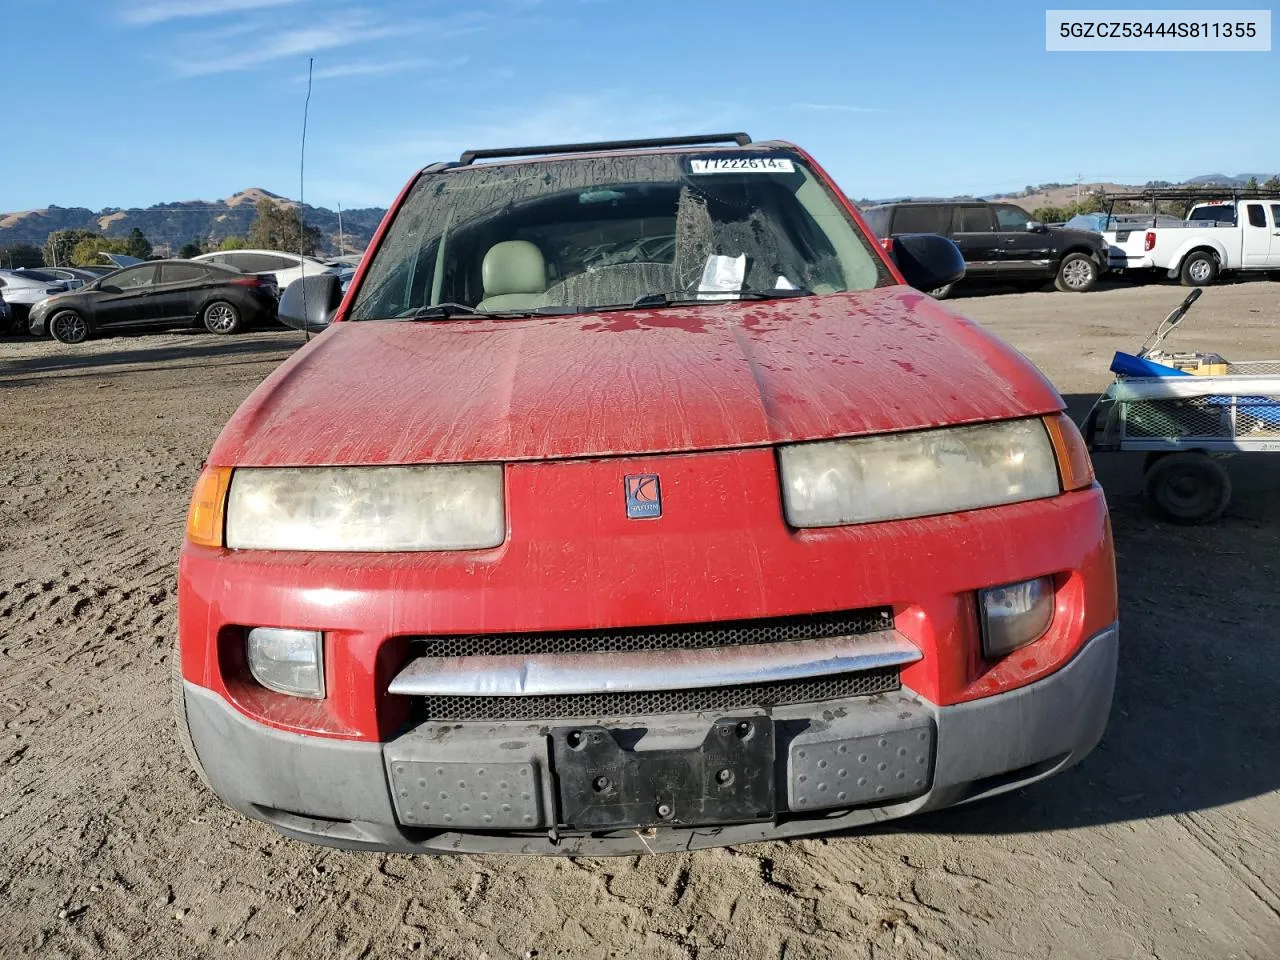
(302, 226)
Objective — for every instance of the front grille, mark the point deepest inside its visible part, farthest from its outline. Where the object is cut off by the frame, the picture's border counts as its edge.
(695, 636)
(615, 705)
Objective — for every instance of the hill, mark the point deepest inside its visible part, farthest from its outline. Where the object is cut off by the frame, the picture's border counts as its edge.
(170, 225)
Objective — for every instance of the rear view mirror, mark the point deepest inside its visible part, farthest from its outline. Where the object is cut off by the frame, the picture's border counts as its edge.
(311, 302)
(1035, 226)
(926, 260)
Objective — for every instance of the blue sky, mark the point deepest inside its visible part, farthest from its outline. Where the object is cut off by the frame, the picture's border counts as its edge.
(134, 102)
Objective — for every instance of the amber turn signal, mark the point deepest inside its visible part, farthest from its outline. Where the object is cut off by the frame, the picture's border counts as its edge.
(1074, 466)
(208, 505)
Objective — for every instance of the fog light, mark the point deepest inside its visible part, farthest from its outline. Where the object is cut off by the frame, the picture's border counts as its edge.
(287, 661)
(1015, 615)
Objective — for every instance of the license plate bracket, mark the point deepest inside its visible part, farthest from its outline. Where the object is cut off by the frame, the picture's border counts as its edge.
(602, 784)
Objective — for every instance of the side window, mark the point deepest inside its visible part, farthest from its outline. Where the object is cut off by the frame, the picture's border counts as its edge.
(133, 278)
(1257, 216)
(241, 261)
(920, 219)
(278, 263)
(1275, 215)
(972, 220)
(181, 272)
(1011, 218)
(256, 262)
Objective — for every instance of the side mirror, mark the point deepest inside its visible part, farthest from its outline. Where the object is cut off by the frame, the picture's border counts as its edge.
(926, 260)
(310, 302)
(1035, 226)
(110, 288)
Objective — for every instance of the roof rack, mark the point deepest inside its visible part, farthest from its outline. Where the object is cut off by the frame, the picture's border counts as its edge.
(1195, 193)
(470, 156)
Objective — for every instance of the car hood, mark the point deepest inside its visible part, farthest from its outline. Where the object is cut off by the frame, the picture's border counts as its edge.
(655, 381)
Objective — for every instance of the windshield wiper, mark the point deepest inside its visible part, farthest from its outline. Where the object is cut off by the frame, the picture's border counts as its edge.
(447, 311)
(774, 293)
(716, 296)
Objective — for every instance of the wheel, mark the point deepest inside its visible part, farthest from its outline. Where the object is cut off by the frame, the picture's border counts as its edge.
(1199, 269)
(221, 317)
(941, 293)
(1078, 273)
(1188, 488)
(67, 326)
(178, 703)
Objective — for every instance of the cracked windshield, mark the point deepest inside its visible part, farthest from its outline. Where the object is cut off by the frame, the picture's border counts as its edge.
(575, 235)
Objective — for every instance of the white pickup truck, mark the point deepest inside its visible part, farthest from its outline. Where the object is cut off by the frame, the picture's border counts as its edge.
(1217, 237)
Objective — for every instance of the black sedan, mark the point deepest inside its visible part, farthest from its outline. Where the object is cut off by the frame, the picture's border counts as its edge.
(160, 293)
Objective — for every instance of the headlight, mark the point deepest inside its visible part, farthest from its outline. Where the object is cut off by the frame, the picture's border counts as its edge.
(438, 507)
(287, 661)
(1015, 615)
(917, 474)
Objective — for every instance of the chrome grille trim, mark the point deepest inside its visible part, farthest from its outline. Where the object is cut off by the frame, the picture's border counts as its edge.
(649, 671)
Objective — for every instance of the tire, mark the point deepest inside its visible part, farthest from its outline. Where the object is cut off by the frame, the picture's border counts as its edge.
(222, 318)
(941, 293)
(178, 703)
(1199, 269)
(67, 326)
(1077, 273)
(1188, 488)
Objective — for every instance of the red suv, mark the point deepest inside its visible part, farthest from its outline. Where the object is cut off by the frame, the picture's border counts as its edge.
(633, 501)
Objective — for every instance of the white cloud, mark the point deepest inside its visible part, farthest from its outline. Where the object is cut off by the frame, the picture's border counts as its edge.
(150, 12)
(835, 108)
(378, 68)
(266, 46)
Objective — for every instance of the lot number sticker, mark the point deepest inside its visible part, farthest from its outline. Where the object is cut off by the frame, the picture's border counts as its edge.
(742, 165)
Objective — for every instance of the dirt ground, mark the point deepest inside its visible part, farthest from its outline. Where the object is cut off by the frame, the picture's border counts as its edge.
(1165, 843)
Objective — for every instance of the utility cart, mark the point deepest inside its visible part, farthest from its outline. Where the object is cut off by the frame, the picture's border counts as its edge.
(1186, 412)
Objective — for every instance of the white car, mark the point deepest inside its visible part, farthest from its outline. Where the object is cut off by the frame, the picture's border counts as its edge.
(285, 267)
(1218, 236)
(22, 289)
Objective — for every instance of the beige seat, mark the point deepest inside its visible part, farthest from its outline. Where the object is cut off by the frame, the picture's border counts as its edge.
(514, 275)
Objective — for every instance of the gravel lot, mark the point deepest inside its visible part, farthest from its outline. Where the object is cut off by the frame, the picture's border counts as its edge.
(1164, 844)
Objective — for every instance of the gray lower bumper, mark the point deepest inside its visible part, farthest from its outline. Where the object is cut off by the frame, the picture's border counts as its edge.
(486, 787)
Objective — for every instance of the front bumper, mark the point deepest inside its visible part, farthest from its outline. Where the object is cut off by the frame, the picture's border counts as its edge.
(493, 783)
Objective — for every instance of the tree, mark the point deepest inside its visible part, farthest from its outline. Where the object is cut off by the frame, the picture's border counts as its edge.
(276, 227)
(1050, 214)
(87, 252)
(234, 242)
(1272, 184)
(189, 250)
(58, 247)
(21, 255)
(1251, 184)
(137, 245)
